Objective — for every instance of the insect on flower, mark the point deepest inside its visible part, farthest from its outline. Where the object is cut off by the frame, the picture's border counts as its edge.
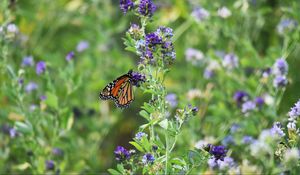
(120, 90)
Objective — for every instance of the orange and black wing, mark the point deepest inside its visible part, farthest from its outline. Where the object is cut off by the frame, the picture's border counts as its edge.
(111, 91)
(125, 96)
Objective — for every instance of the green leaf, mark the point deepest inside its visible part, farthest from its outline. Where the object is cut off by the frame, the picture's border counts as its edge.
(113, 172)
(70, 122)
(137, 146)
(120, 168)
(52, 100)
(145, 114)
(164, 124)
(23, 127)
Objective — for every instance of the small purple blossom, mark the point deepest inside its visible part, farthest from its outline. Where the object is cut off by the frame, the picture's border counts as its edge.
(70, 56)
(276, 130)
(27, 61)
(240, 97)
(137, 78)
(286, 25)
(259, 101)
(193, 55)
(280, 67)
(280, 81)
(230, 61)
(226, 163)
(140, 135)
(148, 158)
(165, 32)
(208, 73)
(266, 72)
(248, 106)
(247, 140)
(219, 152)
(43, 97)
(195, 110)
(13, 132)
(30, 87)
(228, 140)
(20, 81)
(146, 8)
(234, 128)
(212, 163)
(140, 46)
(200, 14)
(50, 165)
(82, 45)
(153, 39)
(126, 5)
(57, 152)
(121, 153)
(40, 67)
(295, 110)
(172, 100)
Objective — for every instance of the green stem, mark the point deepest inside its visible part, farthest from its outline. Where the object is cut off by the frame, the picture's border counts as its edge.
(167, 152)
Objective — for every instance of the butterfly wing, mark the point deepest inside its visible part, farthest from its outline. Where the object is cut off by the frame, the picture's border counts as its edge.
(111, 91)
(125, 96)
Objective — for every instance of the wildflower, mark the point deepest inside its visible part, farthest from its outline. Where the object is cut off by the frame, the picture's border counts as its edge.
(234, 128)
(247, 140)
(195, 110)
(148, 158)
(153, 39)
(230, 61)
(168, 51)
(193, 55)
(266, 72)
(27, 61)
(291, 156)
(43, 97)
(212, 163)
(40, 67)
(140, 135)
(259, 101)
(280, 81)
(228, 140)
(172, 100)
(57, 152)
(240, 97)
(21, 81)
(146, 8)
(200, 14)
(13, 132)
(280, 67)
(224, 12)
(226, 163)
(208, 74)
(121, 153)
(50, 165)
(126, 5)
(12, 28)
(82, 45)
(248, 106)
(135, 31)
(164, 32)
(30, 87)
(286, 25)
(295, 110)
(137, 78)
(70, 56)
(276, 130)
(219, 152)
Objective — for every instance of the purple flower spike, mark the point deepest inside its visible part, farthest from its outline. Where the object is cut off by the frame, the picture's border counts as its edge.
(50, 165)
(240, 97)
(153, 39)
(137, 78)
(70, 56)
(126, 5)
(280, 81)
(148, 158)
(146, 8)
(219, 152)
(40, 67)
(27, 61)
(259, 101)
(121, 153)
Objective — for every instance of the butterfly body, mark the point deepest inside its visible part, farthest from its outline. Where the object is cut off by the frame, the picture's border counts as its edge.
(120, 91)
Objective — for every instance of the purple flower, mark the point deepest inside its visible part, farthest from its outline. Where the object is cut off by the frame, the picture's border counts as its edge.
(280, 81)
(12, 28)
(219, 152)
(286, 25)
(121, 153)
(57, 152)
(240, 97)
(70, 56)
(153, 39)
(248, 106)
(280, 67)
(146, 8)
(234, 128)
(200, 14)
(13, 132)
(21, 81)
(164, 32)
(137, 78)
(212, 163)
(195, 110)
(135, 31)
(126, 5)
(147, 56)
(50, 165)
(140, 46)
(295, 110)
(30, 87)
(266, 72)
(140, 135)
(226, 163)
(148, 158)
(172, 100)
(247, 140)
(43, 97)
(208, 73)
(82, 45)
(193, 55)
(27, 61)
(259, 101)
(228, 140)
(230, 61)
(276, 130)
(40, 67)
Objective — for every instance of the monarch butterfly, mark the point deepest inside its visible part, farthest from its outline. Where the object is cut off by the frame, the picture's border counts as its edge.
(120, 90)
